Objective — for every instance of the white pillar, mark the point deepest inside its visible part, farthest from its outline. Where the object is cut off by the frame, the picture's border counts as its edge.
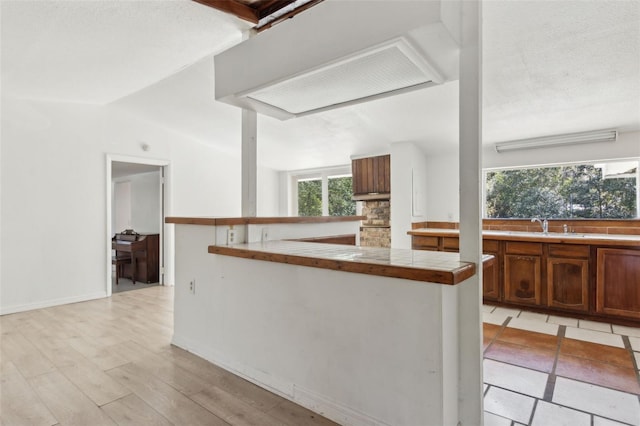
(325, 194)
(249, 163)
(470, 409)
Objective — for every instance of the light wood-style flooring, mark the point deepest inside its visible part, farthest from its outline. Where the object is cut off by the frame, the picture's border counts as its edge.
(110, 362)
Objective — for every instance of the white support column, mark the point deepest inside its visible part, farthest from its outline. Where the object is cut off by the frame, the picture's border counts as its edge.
(325, 195)
(470, 409)
(249, 163)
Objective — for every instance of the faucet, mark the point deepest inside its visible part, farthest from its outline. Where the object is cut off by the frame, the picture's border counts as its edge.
(544, 223)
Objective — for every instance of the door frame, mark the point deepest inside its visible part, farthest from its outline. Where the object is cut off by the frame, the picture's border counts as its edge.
(166, 233)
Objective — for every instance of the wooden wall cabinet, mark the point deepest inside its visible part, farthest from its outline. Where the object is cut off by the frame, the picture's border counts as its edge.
(371, 177)
(568, 277)
(618, 282)
(522, 273)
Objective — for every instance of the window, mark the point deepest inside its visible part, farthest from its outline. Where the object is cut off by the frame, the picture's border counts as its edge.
(340, 193)
(599, 190)
(310, 197)
(322, 193)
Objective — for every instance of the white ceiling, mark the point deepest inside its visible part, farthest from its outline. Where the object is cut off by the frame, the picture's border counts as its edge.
(99, 51)
(549, 67)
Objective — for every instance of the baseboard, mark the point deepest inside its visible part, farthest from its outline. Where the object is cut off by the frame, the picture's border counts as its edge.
(314, 401)
(333, 410)
(5, 310)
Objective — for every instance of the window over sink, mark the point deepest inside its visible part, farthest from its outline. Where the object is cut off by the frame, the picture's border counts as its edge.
(603, 190)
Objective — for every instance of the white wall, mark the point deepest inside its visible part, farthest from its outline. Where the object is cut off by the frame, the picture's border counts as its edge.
(145, 206)
(409, 199)
(54, 194)
(442, 168)
(121, 206)
(443, 187)
(268, 192)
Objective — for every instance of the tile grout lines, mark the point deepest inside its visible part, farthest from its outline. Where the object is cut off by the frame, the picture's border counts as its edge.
(627, 346)
(551, 379)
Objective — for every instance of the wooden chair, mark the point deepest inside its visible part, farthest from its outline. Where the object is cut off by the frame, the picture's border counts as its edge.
(120, 260)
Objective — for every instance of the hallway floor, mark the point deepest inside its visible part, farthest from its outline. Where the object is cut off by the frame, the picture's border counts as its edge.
(125, 284)
(543, 370)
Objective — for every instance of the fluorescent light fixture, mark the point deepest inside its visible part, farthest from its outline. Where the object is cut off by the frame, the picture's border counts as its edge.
(608, 135)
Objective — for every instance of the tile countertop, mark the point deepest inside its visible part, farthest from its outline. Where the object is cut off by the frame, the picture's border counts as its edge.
(551, 237)
(417, 265)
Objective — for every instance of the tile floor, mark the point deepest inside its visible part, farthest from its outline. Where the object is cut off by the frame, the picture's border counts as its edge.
(544, 370)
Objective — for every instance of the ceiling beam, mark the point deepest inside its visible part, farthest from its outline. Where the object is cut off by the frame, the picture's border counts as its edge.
(288, 15)
(233, 7)
(268, 7)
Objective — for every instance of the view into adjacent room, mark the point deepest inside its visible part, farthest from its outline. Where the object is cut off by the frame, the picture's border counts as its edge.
(136, 224)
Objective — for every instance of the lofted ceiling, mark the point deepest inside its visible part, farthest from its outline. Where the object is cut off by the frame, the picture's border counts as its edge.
(548, 68)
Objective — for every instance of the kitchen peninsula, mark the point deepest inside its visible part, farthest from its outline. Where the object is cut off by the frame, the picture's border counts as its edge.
(360, 335)
(591, 273)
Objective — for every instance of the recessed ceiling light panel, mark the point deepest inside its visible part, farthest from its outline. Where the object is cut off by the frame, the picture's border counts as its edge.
(383, 70)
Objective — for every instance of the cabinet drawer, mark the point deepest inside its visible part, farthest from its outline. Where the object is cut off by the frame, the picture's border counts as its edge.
(419, 242)
(568, 250)
(451, 243)
(523, 248)
(490, 246)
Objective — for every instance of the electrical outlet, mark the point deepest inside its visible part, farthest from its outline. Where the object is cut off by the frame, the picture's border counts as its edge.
(192, 286)
(265, 234)
(231, 236)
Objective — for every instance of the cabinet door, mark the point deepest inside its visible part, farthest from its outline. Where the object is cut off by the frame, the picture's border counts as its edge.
(421, 242)
(491, 279)
(618, 282)
(356, 181)
(522, 279)
(361, 170)
(451, 244)
(382, 173)
(568, 283)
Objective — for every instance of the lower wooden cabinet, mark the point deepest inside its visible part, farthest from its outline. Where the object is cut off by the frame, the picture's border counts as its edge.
(491, 272)
(568, 283)
(425, 243)
(558, 277)
(618, 282)
(522, 279)
(491, 279)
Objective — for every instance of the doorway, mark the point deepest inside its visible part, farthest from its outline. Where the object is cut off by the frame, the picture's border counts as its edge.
(136, 239)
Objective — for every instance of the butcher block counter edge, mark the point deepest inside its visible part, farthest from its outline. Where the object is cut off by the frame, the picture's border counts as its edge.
(225, 221)
(416, 265)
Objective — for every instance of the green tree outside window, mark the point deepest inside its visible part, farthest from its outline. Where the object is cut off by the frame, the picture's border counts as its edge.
(340, 193)
(310, 197)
